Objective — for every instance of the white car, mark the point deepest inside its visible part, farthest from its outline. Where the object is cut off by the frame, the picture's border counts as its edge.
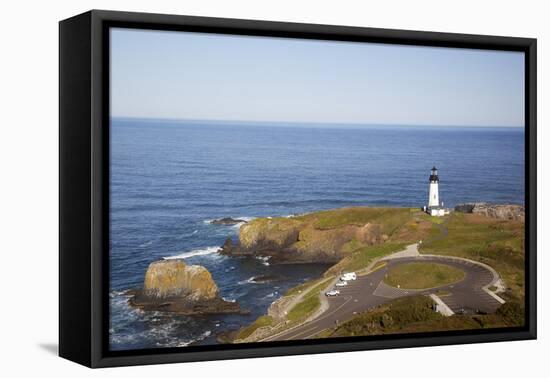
(332, 293)
(348, 276)
(342, 284)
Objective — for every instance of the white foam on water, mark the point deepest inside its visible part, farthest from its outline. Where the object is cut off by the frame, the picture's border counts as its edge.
(248, 281)
(263, 259)
(195, 252)
(176, 342)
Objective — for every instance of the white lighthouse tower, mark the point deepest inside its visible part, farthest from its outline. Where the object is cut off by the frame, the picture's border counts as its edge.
(433, 198)
(435, 207)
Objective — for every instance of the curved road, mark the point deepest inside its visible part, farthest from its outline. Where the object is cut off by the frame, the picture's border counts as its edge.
(369, 291)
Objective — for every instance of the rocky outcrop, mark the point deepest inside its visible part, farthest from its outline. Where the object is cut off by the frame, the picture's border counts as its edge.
(173, 286)
(169, 278)
(504, 212)
(227, 221)
(269, 234)
(294, 240)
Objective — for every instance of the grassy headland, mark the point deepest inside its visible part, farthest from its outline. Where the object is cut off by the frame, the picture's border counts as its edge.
(355, 238)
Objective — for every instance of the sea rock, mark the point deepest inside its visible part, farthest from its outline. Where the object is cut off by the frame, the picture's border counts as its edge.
(227, 221)
(174, 286)
(265, 278)
(504, 212)
(168, 278)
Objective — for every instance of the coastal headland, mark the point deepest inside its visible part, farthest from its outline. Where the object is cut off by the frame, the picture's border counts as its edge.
(415, 273)
(480, 253)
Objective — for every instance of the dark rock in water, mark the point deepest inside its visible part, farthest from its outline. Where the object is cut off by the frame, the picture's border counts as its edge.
(227, 221)
(184, 306)
(230, 248)
(173, 286)
(505, 212)
(227, 246)
(265, 278)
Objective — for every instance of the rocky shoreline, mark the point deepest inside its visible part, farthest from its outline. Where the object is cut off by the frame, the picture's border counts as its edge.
(299, 240)
(174, 286)
(497, 211)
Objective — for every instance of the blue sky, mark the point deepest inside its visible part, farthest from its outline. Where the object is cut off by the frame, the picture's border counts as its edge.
(180, 75)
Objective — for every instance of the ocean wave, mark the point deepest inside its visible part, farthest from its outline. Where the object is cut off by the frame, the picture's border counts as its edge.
(195, 252)
(271, 295)
(146, 244)
(250, 280)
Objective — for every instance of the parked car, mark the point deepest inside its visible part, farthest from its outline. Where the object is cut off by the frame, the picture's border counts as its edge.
(348, 276)
(341, 284)
(332, 293)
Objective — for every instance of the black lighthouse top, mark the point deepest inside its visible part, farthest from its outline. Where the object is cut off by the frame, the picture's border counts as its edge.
(434, 177)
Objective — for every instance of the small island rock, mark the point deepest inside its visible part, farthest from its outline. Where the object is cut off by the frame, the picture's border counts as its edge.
(227, 221)
(169, 278)
(173, 286)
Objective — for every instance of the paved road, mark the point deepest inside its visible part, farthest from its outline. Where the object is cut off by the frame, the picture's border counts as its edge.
(370, 291)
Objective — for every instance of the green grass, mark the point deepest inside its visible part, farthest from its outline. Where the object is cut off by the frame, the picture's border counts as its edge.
(420, 275)
(262, 321)
(309, 304)
(416, 314)
(303, 309)
(427, 217)
(362, 257)
(389, 218)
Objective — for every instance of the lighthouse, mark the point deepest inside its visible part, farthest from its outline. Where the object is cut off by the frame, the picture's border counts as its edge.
(435, 207)
(433, 197)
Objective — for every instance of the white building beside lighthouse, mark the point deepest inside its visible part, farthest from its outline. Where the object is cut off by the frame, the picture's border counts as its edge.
(435, 207)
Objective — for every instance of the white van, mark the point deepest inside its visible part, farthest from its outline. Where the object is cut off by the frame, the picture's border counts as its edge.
(348, 277)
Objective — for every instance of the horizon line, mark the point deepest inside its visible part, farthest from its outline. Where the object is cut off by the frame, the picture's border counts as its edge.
(320, 123)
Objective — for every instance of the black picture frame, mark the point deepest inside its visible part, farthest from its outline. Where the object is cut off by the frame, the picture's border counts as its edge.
(84, 186)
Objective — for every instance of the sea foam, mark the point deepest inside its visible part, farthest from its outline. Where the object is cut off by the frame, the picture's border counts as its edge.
(195, 252)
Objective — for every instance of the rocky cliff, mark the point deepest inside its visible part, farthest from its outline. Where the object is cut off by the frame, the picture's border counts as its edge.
(173, 286)
(505, 212)
(317, 237)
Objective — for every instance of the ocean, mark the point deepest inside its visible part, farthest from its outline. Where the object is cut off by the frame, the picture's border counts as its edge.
(169, 179)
